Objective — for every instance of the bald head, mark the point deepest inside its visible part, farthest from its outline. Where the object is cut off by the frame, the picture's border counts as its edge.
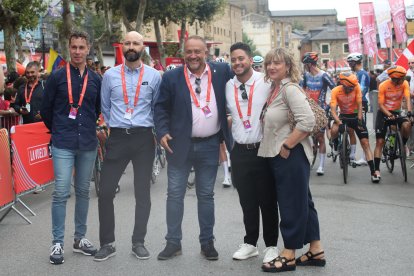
(133, 45)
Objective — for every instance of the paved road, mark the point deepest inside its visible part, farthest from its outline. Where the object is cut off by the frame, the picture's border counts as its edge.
(367, 229)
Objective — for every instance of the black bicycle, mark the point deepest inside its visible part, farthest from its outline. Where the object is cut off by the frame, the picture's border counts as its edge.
(344, 150)
(394, 148)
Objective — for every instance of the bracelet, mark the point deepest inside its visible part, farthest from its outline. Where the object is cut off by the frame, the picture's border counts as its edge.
(286, 147)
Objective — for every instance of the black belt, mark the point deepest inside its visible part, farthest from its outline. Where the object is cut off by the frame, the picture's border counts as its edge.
(248, 146)
(132, 130)
(202, 139)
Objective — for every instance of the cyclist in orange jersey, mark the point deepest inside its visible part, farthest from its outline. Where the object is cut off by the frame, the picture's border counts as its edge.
(390, 95)
(348, 97)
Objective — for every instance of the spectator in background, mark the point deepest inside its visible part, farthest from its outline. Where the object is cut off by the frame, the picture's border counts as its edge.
(8, 116)
(384, 76)
(30, 95)
(158, 65)
(11, 77)
(372, 86)
(410, 73)
(98, 67)
(89, 63)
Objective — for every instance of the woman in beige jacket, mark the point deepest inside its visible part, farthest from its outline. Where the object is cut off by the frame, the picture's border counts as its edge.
(289, 152)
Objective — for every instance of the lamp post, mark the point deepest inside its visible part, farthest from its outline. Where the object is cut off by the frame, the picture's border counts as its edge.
(43, 29)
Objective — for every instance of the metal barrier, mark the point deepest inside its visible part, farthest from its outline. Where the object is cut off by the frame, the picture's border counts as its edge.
(10, 120)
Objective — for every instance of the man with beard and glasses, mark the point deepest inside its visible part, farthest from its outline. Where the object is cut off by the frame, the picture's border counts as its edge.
(30, 95)
(190, 123)
(127, 96)
(246, 94)
(70, 108)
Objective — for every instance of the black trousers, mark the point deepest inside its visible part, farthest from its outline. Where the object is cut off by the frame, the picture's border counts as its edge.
(121, 147)
(253, 179)
(299, 224)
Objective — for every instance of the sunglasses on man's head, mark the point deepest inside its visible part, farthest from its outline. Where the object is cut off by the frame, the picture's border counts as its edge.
(198, 83)
(244, 92)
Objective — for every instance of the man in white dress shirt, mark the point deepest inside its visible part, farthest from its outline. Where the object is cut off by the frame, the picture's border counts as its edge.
(246, 94)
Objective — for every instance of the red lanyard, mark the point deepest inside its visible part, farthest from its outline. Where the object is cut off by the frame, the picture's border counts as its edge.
(29, 98)
(137, 91)
(187, 79)
(273, 96)
(85, 83)
(249, 105)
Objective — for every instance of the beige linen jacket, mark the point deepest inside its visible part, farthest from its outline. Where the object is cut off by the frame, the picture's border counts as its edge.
(276, 125)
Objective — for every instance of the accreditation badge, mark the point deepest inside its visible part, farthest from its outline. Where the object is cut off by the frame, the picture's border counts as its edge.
(73, 113)
(28, 107)
(128, 113)
(247, 126)
(207, 111)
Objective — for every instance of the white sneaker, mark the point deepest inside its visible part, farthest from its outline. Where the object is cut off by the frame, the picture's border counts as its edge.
(361, 162)
(245, 251)
(320, 171)
(226, 182)
(271, 253)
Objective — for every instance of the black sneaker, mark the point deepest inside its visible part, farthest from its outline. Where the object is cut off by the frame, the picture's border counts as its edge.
(56, 254)
(209, 252)
(85, 247)
(105, 253)
(139, 250)
(170, 251)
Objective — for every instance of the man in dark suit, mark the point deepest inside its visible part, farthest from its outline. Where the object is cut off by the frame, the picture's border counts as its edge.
(190, 122)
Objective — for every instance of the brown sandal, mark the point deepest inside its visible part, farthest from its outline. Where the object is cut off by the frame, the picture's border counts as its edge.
(285, 266)
(311, 261)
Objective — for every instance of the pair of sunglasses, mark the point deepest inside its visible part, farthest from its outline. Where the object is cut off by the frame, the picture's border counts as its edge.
(244, 92)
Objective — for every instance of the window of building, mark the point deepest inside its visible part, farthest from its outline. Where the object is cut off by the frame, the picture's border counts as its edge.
(345, 48)
(325, 49)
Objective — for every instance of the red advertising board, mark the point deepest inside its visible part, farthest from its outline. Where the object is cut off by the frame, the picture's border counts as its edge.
(32, 164)
(174, 60)
(6, 186)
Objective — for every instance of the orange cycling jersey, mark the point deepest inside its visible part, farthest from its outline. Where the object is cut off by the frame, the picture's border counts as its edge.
(347, 102)
(391, 95)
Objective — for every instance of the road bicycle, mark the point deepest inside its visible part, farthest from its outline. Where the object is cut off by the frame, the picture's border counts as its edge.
(394, 148)
(344, 149)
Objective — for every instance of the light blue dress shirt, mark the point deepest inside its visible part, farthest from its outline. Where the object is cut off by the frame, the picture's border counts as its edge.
(112, 99)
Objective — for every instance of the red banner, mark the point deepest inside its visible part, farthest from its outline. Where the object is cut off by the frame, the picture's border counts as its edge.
(32, 164)
(6, 186)
(397, 53)
(368, 28)
(174, 60)
(399, 20)
(406, 54)
(354, 40)
(119, 55)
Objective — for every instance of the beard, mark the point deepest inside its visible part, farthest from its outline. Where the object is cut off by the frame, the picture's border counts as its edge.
(132, 55)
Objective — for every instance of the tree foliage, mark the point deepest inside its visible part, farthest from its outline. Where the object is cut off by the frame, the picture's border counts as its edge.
(250, 42)
(16, 15)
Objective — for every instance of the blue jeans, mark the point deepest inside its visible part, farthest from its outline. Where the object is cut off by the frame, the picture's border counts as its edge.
(64, 161)
(203, 156)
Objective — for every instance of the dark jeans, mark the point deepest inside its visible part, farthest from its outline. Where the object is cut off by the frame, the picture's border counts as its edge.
(203, 156)
(299, 223)
(253, 179)
(121, 148)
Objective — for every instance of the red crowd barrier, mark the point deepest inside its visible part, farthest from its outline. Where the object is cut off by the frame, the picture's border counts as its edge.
(6, 186)
(32, 163)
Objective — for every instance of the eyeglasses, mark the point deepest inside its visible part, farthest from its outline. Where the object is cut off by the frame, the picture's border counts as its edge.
(257, 67)
(348, 89)
(244, 92)
(198, 83)
(412, 62)
(397, 80)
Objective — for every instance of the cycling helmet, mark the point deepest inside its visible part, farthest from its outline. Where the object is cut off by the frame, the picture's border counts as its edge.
(310, 57)
(396, 72)
(348, 79)
(170, 67)
(220, 59)
(257, 60)
(357, 57)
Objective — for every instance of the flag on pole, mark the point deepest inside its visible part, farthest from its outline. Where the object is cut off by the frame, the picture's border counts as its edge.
(354, 39)
(369, 32)
(406, 54)
(399, 19)
(55, 61)
(119, 56)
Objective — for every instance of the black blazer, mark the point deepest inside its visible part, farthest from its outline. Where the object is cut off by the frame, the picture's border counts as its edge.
(173, 113)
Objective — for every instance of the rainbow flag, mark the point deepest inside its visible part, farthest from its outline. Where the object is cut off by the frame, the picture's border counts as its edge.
(55, 61)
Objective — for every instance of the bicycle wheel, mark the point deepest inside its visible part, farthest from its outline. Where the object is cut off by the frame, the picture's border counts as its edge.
(97, 174)
(401, 154)
(345, 155)
(388, 152)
